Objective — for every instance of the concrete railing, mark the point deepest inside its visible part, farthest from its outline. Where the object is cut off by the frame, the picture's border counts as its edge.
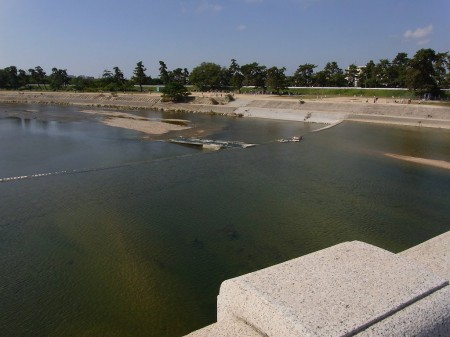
(351, 289)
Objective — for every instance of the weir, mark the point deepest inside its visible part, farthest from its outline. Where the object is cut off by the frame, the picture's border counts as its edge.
(209, 144)
(351, 289)
(87, 170)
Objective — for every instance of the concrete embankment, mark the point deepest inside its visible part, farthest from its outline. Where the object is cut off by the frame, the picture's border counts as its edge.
(87, 99)
(310, 116)
(315, 111)
(400, 120)
(332, 112)
(118, 100)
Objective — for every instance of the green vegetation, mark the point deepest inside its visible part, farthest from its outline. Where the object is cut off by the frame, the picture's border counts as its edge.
(58, 79)
(177, 75)
(423, 75)
(139, 76)
(330, 92)
(209, 76)
(276, 79)
(174, 92)
(236, 76)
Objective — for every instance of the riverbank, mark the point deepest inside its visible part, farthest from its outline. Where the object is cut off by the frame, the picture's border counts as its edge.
(319, 110)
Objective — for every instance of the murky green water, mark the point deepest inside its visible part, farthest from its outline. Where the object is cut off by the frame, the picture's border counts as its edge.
(141, 249)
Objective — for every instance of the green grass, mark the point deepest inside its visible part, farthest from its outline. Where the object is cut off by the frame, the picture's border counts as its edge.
(352, 92)
(336, 92)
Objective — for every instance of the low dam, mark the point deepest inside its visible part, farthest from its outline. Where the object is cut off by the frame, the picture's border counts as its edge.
(351, 289)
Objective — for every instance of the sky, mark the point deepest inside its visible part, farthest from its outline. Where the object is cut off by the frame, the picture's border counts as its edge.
(88, 36)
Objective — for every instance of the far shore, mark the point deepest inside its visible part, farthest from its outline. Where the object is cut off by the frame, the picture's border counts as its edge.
(318, 110)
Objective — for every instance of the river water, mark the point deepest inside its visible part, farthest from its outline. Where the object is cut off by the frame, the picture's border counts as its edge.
(137, 241)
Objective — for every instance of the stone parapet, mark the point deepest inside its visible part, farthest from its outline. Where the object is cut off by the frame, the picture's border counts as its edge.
(227, 328)
(349, 289)
(433, 254)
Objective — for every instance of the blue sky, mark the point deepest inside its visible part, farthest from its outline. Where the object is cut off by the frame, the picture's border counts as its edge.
(87, 36)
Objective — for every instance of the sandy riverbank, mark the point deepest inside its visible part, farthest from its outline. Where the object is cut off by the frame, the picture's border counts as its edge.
(320, 110)
(423, 161)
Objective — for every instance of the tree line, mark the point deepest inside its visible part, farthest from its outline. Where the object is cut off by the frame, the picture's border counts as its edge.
(427, 71)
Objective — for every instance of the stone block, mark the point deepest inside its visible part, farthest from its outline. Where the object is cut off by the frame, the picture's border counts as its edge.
(338, 291)
(429, 317)
(227, 328)
(433, 254)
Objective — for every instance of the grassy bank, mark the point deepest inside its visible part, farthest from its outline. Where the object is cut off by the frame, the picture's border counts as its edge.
(352, 92)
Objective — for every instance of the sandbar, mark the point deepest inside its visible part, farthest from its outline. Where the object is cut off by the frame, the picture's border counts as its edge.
(430, 162)
(137, 123)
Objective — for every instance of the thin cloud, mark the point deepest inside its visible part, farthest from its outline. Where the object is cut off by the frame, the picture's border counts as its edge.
(207, 6)
(241, 28)
(423, 42)
(307, 3)
(184, 8)
(253, 1)
(419, 33)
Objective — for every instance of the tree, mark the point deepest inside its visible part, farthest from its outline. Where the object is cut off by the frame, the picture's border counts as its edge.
(11, 77)
(276, 79)
(331, 76)
(335, 75)
(23, 78)
(163, 73)
(118, 77)
(368, 75)
(139, 74)
(82, 82)
(254, 75)
(114, 80)
(33, 77)
(421, 74)
(236, 77)
(399, 66)
(58, 78)
(321, 79)
(179, 75)
(447, 76)
(107, 79)
(185, 76)
(175, 92)
(441, 67)
(207, 76)
(304, 75)
(41, 77)
(384, 73)
(352, 75)
(3, 78)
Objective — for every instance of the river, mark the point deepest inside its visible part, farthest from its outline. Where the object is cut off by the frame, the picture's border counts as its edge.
(133, 236)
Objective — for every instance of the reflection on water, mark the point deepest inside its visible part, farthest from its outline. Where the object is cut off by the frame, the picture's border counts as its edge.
(141, 250)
